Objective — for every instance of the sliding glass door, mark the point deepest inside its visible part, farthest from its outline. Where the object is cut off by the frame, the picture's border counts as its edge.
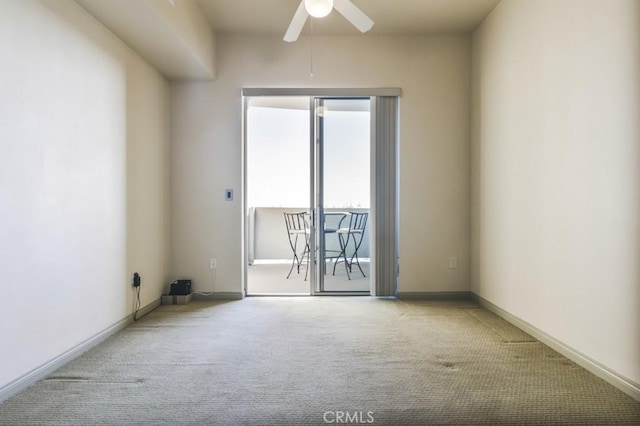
(320, 192)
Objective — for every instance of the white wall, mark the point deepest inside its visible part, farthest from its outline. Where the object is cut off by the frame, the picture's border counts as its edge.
(79, 113)
(556, 172)
(433, 73)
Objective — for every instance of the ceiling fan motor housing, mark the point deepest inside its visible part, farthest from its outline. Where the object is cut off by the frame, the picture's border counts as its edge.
(318, 8)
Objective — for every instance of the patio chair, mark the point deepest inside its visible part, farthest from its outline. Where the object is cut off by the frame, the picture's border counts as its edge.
(298, 229)
(355, 233)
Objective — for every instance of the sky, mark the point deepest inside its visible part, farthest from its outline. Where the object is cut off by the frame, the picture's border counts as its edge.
(278, 169)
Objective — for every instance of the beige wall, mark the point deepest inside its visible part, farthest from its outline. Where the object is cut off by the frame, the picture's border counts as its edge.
(556, 172)
(83, 181)
(433, 73)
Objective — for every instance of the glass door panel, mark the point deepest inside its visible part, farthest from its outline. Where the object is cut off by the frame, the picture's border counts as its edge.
(277, 195)
(343, 192)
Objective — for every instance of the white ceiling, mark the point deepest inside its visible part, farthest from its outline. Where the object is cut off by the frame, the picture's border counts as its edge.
(390, 16)
(174, 35)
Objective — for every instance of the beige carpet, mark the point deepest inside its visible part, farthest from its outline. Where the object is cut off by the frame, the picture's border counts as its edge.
(312, 360)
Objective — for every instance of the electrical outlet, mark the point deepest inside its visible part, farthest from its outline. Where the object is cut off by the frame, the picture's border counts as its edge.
(213, 263)
(453, 262)
(137, 280)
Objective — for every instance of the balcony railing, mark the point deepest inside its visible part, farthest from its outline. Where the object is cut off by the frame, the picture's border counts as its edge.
(267, 234)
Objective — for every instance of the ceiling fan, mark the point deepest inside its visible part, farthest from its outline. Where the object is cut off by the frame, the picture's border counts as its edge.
(320, 9)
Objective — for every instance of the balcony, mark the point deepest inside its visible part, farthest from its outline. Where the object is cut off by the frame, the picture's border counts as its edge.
(270, 256)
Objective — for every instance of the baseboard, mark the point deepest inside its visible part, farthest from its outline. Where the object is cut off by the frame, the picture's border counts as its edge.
(627, 386)
(219, 296)
(49, 367)
(146, 309)
(435, 295)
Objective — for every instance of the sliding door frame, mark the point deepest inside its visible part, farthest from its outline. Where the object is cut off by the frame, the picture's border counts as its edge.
(384, 179)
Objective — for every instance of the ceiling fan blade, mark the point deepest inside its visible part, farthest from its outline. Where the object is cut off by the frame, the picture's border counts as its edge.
(295, 27)
(353, 15)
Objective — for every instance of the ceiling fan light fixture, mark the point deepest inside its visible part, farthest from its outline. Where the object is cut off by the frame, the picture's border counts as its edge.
(318, 8)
